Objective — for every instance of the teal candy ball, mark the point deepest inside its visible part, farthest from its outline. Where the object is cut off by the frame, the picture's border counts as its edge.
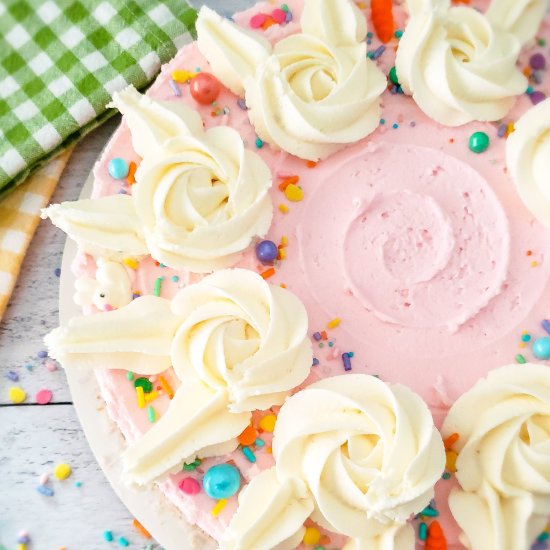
(541, 348)
(221, 481)
(118, 168)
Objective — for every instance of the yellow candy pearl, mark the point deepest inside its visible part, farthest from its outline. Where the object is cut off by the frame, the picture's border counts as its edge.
(312, 536)
(294, 193)
(62, 471)
(17, 394)
(267, 423)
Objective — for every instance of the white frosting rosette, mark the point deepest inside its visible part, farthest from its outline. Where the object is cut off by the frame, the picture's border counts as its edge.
(528, 159)
(199, 200)
(503, 465)
(520, 17)
(361, 458)
(236, 344)
(310, 94)
(458, 66)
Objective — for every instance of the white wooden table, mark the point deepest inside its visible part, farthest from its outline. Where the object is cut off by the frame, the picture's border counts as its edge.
(34, 438)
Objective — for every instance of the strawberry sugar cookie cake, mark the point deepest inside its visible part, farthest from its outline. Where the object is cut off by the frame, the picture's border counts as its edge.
(314, 277)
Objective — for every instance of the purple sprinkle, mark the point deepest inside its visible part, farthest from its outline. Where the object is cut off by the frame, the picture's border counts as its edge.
(134, 296)
(546, 325)
(242, 103)
(347, 361)
(57, 271)
(46, 491)
(315, 362)
(288, 16)
(412, 124)
(502, 130)
(378, 52)
(13, 376)
(539, 545)
(537, 61)
(42, 354)
(537, 96)
(175, 87)
(317, 336)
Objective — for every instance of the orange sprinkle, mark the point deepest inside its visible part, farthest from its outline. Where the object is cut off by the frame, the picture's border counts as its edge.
(268, 273)
(132, 172)
(527, 71)
(452, 140)
(268, 22)
(282, 285)
(382, 19)
(311, 164)
(436, 539)
(140, 529)
(248, 436)
(286, 182)
(324, 335)
(268, 450)
(362, 5)
(324, 540)
(166, 387)
(451, 440)
(529, 253)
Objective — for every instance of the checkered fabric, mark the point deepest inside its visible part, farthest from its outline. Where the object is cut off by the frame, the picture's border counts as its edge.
(19, 216)
(60, 62)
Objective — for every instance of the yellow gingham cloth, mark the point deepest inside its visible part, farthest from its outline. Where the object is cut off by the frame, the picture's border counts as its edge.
(19, 217)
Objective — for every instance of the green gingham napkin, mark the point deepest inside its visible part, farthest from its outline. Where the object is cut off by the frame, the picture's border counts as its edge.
(60, 62)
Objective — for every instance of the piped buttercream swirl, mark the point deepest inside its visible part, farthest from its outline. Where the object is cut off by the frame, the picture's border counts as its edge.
(310, 94)
(520, 17)
(503, 464)
(458, 66)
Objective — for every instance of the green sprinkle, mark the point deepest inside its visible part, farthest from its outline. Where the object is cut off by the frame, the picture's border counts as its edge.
(259, 143)
(429, 512)
(158, 284)
(422, 531)
(108, 536)
(130, 375)
(370, 35)
(479, 142)
(197, 462)
(175, 278)
(446, 475)
(541, 42)
(398, 33)
(319, 548)
(189, 467)
(543, 536)
(370, 55)
(529, 90)
(321, 345)
(520, 359)
(143, 383)
(382, 121)
(284, 7)
(151, 414)
(393, 76)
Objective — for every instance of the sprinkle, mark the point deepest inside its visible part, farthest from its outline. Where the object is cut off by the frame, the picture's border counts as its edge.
(259, 442)
(334, 323)
(62, 471)
(182, 76)
(279, 16)
(132, 173)
(520, 359)
(546, 325)
(429, 512)
(144, 383)
(17, 395)
(324, 335)
(129, 375)
(158, 284)
(395, 126)
(140, 529)
(259, 143)
(347, 362)
(315, 362)
(151, 396)
(247, 451)
(140, 397)
(450, 462)
(43, 397)
(268, 273)
(241, 102)
(220, 505)
(42, 354)
(451, 440)
(288, 17)
(256, 21)
(398, 33)
(44, 478)
(190, 486)
(382, 19)
(108, 536)
(130, 262)
(284, 7)
(151, 414)
(311, 536)
(78, 484)
(446, 475)
(166, 387)
(175, 87)
(288, 181)
(311, 164)
(13, 376)
(294, 193)
(525, 337)
(422, 531)
(248, 436)
(46, 491)
(435, 539)
(378, 52)
(57, 272)
(122, 541)
(537, 96)
(267, 423)
(283, 208)
(502, 130)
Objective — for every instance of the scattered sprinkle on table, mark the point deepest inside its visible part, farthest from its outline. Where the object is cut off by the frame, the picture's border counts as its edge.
(62, 471)
(17, 395)
(140, 529)
(123, 541)
(43, 397)
(46, 491)
(108, 536)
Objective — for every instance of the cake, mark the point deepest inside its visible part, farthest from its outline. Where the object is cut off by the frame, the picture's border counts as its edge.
(321, 293)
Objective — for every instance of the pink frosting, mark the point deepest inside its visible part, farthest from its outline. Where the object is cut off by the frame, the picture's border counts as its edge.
(418, 245)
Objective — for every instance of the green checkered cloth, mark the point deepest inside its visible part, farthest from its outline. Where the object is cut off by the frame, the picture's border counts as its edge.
(60, 62)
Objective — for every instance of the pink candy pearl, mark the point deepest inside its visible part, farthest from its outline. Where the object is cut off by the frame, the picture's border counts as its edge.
(258, 20)
(279, 16)
(190, 486)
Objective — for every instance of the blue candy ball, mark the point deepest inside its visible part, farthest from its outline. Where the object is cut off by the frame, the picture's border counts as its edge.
(541, 348)
(267, 251)
(118, 168)
(221, 481)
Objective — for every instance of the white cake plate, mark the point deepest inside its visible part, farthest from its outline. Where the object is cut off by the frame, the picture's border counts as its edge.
(148, 505)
